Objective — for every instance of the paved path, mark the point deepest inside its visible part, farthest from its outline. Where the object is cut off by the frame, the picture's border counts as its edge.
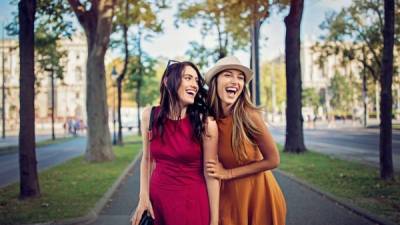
(305, 207)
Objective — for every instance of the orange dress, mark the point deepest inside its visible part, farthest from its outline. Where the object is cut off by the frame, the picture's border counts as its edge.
(251, 200)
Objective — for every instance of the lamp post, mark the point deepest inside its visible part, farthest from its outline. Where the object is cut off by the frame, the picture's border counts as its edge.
(51, 70)
(3, 88)
(114, 76)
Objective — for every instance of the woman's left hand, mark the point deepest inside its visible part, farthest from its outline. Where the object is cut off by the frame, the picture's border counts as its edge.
(216, 170)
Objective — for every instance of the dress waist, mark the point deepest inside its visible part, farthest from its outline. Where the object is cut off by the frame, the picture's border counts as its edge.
(169, 174)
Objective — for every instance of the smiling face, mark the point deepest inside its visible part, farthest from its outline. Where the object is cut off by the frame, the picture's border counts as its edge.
(230, 85)
(188, 87)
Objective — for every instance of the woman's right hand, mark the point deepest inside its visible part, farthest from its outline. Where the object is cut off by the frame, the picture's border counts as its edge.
(143, 205)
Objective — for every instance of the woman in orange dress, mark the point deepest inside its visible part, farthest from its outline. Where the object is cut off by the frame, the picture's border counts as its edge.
(247, 153)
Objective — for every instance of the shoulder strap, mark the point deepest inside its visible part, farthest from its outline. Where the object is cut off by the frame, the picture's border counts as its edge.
(151, 122)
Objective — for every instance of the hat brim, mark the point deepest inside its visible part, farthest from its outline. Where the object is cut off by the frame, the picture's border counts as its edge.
(248, 73)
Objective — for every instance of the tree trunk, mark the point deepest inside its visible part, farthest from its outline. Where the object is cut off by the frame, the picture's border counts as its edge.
(3, 89)
(294, 119)
(139, 82)
(122, 75)
(255, 66)
(138, 111)
(29, 183)
(385, 143)
(97, 23)
(99, 140)
(364, 96)
(53, 135)
(119, 96)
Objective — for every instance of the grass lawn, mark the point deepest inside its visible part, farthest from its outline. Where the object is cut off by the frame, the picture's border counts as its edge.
(351, 181)
(68, 190)
(13, 149)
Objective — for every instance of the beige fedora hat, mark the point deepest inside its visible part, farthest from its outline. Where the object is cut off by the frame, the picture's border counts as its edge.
(226, 63)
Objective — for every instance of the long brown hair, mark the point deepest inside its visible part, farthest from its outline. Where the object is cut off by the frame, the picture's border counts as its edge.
(243, 129)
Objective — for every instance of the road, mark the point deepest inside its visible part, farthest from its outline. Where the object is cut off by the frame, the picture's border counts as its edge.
(12, 140)
(347, 143)
(47, 156)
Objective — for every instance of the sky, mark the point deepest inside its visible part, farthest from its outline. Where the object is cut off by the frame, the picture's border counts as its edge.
(174, 42)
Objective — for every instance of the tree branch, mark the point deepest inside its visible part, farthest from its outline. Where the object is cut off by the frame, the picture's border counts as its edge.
(125, 35)
(378, 61)
(79, 10)
(369, 67)
(375, 8)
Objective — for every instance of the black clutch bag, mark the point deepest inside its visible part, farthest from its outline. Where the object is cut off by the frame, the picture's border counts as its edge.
(146, 219)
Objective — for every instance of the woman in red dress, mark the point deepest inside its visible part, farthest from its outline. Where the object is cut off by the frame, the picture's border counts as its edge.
(174, 187)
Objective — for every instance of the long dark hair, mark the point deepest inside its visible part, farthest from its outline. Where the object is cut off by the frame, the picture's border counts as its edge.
(169, 100)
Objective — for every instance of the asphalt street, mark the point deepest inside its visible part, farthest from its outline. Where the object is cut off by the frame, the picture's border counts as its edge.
(347, 143)
(13, 140)
(47, 156)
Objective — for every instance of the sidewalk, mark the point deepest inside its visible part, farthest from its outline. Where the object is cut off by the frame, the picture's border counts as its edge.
(305, 207)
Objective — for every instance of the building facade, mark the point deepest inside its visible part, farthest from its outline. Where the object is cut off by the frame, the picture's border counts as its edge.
(318, 76)
(69, 92)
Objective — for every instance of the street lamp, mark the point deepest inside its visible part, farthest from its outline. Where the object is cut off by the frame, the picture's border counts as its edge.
(114, 76)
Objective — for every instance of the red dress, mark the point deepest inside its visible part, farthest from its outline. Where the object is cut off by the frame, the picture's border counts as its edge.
(178, 190)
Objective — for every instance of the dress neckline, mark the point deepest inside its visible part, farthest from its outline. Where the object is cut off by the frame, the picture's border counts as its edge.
(181, 119)
(226, 118)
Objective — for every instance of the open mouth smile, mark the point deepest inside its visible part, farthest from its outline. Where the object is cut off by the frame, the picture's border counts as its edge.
(231, 91)
(191, 92)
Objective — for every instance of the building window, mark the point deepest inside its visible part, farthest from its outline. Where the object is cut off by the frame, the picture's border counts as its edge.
(78, 73)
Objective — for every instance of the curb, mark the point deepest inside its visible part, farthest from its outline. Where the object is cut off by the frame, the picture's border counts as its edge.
(93, 214)
(347, 205)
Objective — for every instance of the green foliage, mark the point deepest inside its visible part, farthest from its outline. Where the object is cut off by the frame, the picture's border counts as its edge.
(229, 21)
(273, 71)
(52, 23)
(142, 77)
(210, 16)
(52, 16)
(311, 98)
(200, 55)
(355, 34)
(341, 91)
(141, 15)
(49, 52)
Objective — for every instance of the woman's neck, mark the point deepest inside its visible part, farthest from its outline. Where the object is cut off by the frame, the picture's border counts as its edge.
(175, 115)
(226, 109)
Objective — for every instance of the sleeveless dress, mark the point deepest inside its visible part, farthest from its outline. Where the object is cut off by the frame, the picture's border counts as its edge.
(178, 190)
(251, 200)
